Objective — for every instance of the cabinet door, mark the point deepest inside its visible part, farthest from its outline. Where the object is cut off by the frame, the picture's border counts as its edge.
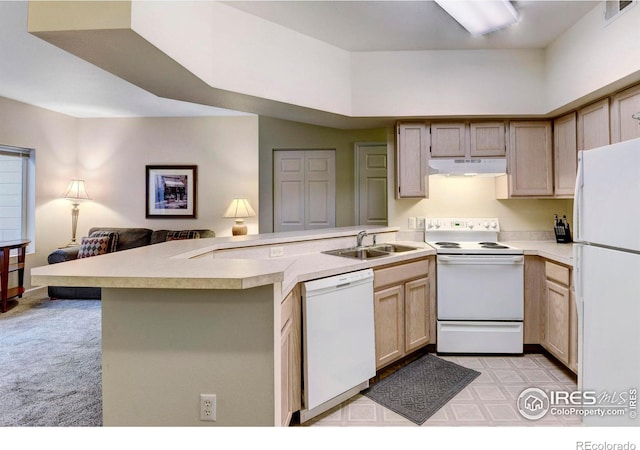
(625, 104)
(286, 360)
(412, 160)
(389, 324)
(556, 321)
(530, 158)
(448, 140)
(487, 139)
(593, 125)
(565, 152)
(416, 314)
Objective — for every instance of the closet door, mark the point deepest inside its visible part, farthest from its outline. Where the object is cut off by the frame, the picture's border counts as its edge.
(304, 189)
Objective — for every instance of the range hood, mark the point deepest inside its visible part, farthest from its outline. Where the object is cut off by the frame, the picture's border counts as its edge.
(466, 167)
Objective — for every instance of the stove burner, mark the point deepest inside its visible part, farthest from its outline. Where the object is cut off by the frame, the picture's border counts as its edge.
(449, 244)
(494, 246)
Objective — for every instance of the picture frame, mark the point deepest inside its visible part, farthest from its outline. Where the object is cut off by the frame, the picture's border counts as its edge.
(171, 191)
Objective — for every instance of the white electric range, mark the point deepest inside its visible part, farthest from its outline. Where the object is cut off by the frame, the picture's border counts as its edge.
(480, 287)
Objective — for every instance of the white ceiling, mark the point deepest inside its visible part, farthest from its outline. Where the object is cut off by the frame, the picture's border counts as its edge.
(414, 25)
(38, 73)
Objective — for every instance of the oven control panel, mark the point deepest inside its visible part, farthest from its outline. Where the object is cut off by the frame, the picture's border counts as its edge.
(465, 224)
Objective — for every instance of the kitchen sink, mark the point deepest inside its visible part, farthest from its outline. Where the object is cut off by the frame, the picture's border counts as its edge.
(374, 251)
(358, 253)
(393, 248)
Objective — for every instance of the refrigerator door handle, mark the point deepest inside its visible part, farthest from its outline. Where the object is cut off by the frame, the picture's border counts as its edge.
(579, 305)
(577, 197)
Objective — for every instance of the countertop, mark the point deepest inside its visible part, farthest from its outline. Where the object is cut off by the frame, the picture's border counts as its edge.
(561, 253)
(213, 263)
(201, 264)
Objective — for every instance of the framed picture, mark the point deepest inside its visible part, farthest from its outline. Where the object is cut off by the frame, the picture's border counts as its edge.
(171, 192)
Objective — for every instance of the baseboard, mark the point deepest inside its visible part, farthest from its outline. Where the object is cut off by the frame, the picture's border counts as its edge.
(36, 291)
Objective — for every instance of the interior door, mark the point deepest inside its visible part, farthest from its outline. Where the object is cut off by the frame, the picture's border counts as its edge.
(304, 189)
(371, 184)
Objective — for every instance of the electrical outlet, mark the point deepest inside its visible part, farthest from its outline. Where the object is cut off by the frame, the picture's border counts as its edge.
(412, 223)
(208, 407)
(420, 223)
(274, 252)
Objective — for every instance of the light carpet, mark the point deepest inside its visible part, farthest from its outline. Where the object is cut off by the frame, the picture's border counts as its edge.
(50, 364)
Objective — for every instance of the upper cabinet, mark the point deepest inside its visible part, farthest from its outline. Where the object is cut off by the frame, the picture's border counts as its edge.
(530, 171)
(593, 125)
(625, 104)
(448, 140)
(412, 158)
(468, 140)
(565, 155)
(487, 139)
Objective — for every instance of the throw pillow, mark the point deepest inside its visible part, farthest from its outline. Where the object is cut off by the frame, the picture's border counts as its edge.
(184, 234)
(93, 246)
(113, 239)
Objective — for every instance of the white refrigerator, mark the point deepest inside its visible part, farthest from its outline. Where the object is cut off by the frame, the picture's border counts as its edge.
(607, 280)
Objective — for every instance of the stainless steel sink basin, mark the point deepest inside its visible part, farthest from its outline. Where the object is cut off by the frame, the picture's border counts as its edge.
(393, 248)
(358, 253)
(370, 252)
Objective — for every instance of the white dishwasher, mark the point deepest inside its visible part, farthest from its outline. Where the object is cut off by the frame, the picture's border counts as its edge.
(338, 339)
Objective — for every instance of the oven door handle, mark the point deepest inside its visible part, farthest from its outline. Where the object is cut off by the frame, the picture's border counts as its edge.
(483, 260)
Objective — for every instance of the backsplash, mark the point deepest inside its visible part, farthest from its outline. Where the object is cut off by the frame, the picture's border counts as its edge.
(526, 236)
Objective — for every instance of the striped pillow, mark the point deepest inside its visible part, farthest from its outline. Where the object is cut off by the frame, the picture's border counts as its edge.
(93, 246)
(184, 234)
(113, 239)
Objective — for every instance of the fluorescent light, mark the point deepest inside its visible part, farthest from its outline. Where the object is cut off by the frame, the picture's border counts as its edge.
(481, 16)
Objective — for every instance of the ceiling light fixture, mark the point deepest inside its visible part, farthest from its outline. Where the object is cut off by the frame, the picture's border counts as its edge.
(481, 16)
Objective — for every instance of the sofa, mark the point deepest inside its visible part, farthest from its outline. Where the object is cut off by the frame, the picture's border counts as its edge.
(120, 239)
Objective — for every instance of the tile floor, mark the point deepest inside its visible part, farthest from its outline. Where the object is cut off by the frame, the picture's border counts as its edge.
(490, 400)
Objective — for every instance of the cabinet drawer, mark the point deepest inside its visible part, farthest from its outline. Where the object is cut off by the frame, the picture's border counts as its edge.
(397, 274)
(557, 273)
(286, 310)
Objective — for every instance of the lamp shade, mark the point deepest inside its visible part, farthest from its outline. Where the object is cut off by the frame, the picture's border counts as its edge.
(77, 191)
(239, 208)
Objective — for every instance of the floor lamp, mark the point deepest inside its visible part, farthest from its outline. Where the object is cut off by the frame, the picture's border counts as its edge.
(75, 192)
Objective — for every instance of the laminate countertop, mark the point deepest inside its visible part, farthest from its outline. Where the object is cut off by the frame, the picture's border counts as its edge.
(560, 253)
(225, 263)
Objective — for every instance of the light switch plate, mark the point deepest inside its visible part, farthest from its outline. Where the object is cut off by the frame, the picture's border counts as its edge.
(420, 223)
(412, 223)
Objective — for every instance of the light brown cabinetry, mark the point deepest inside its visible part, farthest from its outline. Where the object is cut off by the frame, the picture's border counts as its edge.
(530, 171)
(404, 305)
(624, 105)
(290, 356)
(412, 157)
(487, 139)
(448, 140)
(593, 125)
(559, 319)
(468, 140)
(565, 154)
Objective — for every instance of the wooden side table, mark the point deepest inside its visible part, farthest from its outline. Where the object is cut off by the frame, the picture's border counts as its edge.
(6, 268)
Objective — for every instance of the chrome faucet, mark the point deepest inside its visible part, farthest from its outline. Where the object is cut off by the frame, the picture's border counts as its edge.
(361, 236)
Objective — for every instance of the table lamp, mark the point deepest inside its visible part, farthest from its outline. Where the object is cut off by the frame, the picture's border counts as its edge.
(75, 192)
(239, 209)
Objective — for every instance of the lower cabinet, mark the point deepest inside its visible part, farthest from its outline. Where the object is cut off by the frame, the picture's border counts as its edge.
(404, 305)
(290, 356)
(559, 317)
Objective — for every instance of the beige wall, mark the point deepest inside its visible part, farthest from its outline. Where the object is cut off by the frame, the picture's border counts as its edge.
(113, 153)
(53, 136)
(278, 134)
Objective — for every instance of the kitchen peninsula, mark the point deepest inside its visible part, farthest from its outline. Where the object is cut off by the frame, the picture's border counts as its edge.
(204, 316)
(192, 317)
